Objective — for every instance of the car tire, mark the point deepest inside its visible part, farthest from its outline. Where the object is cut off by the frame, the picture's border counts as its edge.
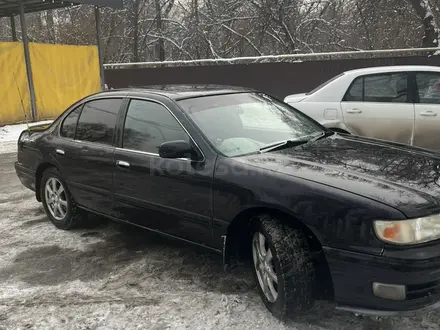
(58, 203)
(289, 260)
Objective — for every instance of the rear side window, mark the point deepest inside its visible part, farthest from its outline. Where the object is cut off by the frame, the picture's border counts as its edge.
(69, 124)
(356, 91)
(148, 125)
(428, 86)
(98, 120)
(385, 88)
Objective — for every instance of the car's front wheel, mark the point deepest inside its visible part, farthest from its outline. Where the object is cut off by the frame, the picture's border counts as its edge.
(58, 203)
(282, 266)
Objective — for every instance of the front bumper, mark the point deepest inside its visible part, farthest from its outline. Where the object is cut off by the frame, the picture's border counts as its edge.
(390, 313)
(26, 176)
(353, 275)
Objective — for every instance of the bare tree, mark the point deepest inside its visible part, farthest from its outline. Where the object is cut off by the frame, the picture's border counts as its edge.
(147, 30)
(431, 31)
(51, 33)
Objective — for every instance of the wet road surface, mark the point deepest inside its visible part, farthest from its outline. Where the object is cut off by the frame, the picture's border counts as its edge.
(112, 276)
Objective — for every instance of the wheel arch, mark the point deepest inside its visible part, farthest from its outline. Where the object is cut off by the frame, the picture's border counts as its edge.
(39, 175)
(238, 241)
(240, 226)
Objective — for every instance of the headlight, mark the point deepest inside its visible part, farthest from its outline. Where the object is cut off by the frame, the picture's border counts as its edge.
(413, 231)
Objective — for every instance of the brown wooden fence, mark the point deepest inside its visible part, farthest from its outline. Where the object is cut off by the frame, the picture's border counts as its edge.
(277, 79)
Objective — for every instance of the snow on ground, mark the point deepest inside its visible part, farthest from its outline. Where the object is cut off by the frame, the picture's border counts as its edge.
(9, 135)
(111, 276)
(12, 132)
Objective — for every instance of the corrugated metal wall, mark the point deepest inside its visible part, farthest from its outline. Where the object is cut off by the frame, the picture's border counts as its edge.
(62, 75)
(278, 79)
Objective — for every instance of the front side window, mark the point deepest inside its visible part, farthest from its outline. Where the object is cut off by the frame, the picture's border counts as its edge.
(148, 125)
(385, 88)
(69, 124)
(428, 85)
(98, 120)
(244, 123)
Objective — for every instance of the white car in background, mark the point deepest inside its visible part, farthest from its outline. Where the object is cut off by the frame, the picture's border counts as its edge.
(394, 103)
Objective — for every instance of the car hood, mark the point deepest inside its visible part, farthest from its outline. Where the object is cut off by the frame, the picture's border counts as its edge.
(295, 98)
(400, 176)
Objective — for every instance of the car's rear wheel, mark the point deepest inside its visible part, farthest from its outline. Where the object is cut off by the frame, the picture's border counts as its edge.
(58, 203)
(282, 266)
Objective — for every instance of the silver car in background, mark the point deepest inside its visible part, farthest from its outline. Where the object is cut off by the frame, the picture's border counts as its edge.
(394, 103)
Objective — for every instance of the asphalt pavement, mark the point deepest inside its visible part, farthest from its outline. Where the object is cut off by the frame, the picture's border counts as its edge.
(112, 276)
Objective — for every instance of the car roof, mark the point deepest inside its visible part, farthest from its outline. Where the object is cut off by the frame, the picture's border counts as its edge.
(180, 92)
(394, 68)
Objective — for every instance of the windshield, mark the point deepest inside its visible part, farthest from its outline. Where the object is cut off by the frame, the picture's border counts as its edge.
(244, 123)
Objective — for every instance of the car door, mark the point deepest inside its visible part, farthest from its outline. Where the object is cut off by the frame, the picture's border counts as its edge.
(64, 148)
(173, 196)
(380, 106)
(88, 159)
(427, 110)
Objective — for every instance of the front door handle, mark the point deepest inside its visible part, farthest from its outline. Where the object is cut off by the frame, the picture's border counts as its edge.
(122, 163)
(428, 113)
(60, 152)
(354, 111)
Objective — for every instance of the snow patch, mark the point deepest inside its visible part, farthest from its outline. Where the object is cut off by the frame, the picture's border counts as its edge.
(7, 147)
(9, 135)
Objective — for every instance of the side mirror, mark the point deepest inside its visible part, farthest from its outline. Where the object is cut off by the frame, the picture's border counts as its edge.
(176, 149)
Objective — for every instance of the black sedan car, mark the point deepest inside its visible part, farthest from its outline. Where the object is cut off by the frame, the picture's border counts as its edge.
(248, 176)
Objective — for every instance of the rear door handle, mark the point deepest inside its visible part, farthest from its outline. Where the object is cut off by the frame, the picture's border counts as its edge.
(122, 163)
(84, 149)
(60, 152)
(428, 113)
(354, 111)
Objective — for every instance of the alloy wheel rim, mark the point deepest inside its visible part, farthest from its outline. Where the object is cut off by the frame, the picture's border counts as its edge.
(264, 267)
(56, 199)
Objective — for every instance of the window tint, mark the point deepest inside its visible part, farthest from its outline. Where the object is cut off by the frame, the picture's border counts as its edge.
(386, 88)
(148, 125)
(389, 87)
(98, 120)
(428, 85)
(355, 91)
(69, 124)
